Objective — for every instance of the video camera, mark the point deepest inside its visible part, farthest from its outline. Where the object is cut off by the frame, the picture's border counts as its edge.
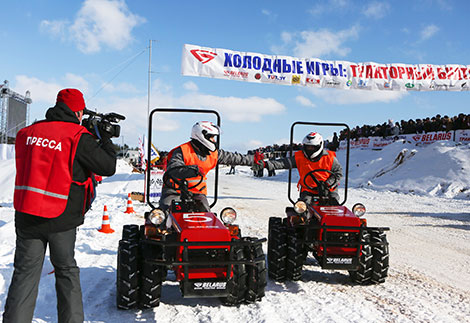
(97, 123)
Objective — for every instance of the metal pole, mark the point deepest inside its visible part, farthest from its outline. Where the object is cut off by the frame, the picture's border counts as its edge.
(149, 79)
(4, 120)
(147, 169)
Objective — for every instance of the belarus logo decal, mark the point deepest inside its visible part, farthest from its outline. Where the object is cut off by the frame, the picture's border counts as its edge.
(416, 137)
(203, 56)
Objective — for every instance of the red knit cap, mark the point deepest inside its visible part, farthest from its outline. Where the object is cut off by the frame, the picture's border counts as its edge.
(73, 98)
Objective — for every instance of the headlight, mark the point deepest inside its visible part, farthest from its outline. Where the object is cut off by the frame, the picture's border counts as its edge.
(300, 207)
(359, 209)
(228, 215)
(157, 216)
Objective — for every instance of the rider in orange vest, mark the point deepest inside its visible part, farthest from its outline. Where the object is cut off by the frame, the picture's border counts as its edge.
(202, 153)
(313, 156)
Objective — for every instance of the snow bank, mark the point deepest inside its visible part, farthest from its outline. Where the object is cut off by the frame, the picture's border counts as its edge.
(439, 169)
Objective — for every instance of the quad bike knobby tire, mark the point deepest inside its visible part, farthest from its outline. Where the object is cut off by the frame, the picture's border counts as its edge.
(380, 256)
(127, 280)
(151, 285)
(363, 275)
(277, 249)
(295, 254)
(256, 274)
(130, 232)
(237, 284)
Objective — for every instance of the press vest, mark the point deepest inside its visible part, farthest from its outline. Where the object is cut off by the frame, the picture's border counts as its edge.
(190, 158)
(304, 165)
(45, 152)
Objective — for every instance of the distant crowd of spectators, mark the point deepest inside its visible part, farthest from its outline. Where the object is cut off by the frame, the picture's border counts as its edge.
(437, 123)
(275, 151)
(390, 128)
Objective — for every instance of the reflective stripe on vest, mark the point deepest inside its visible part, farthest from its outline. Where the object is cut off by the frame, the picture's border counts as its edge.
(37, 190)
(304, 166)
(190, 158)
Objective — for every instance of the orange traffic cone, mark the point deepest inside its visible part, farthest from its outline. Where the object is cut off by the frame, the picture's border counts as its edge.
(130, 208)
(106, 226)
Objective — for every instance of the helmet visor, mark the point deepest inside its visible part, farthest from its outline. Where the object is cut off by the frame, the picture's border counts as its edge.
(210, 137)
(310, 150)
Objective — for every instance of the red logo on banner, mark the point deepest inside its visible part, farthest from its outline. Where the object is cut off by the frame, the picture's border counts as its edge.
(416, 137)
(203, 56)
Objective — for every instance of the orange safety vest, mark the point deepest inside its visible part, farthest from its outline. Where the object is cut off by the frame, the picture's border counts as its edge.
(190, 158)
(45, 152)
(304, 165)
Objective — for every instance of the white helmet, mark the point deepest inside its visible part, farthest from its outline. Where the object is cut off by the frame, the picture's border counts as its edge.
(205, 132)
(312, 145)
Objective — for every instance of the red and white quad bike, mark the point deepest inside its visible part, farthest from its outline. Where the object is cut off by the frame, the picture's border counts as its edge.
(335, 236)
(208, 255)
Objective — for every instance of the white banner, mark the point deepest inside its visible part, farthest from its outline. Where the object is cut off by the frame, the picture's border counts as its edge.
(287, 70)
(156, 183)
(462, 135)
(418, 139)
(430, 137)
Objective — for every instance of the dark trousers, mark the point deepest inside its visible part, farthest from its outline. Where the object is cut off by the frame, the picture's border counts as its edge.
(29, 258)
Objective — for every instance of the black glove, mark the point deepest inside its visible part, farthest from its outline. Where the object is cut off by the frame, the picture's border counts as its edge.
(323, 189)
(190, 171)
(102, 134)
(197, 170)
(331, 182)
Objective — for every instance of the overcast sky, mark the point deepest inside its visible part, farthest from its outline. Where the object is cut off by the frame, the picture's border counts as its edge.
(101, 48)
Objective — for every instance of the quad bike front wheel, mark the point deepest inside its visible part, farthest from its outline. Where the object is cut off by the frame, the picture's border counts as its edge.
(151, 285)
(130, 232)
(295, 254)
(363, 275)
(256, 274)
(237, 284)
(127, 280)
(277, 249)
(380, 256)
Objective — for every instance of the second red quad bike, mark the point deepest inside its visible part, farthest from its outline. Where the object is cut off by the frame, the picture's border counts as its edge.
(208, 255)
(337, 237)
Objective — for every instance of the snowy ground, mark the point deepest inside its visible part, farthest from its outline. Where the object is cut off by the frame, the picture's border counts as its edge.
(424, 200)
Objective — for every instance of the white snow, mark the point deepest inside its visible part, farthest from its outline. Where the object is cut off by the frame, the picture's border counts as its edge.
(425, 200)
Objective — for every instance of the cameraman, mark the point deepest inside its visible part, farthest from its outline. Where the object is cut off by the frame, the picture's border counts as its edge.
(55, 162)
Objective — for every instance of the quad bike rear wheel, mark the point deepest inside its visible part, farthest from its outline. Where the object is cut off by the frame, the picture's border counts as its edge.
(380, 256)
(256, 274)
(363, 275)
(277, 249)
(237, 284)
(127, 280)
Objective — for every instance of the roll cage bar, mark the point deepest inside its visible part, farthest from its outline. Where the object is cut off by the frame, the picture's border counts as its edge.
(149, 147)
(292, 154)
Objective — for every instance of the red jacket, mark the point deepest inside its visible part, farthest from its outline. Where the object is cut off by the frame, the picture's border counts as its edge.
(45, 152)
